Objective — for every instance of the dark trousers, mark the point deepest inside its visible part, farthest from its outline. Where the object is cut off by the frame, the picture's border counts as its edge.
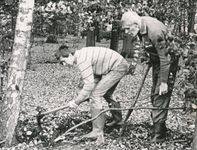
(162, 101)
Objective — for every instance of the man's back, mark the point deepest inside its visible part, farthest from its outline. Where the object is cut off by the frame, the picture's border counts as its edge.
(101, 59)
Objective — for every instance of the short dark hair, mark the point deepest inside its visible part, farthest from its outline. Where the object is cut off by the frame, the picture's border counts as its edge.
(63, 47)
(65, 50)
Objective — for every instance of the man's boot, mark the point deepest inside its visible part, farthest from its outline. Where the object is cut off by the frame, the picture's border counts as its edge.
(159, 132)
(97, 124)
(116, 114)
(152, 129)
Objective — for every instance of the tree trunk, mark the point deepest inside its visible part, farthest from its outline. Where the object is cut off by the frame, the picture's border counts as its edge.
(90, 41)
(194, 143)
(127, 49)
(10, 107)
(97, 32)
(54, 28)
(114, 36)
(191, 16)
(184, 26)
(180, 20)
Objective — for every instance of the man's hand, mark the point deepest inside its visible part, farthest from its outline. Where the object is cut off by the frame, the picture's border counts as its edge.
(72, 104)
(144, 58)
(163, 88)
(81, 84)
(131, 69)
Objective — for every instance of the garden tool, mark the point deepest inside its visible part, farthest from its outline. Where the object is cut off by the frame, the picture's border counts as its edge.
(39, 116)
(135, 100)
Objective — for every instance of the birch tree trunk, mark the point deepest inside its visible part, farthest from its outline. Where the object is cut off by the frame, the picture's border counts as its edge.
(194, 143)
(10, 108)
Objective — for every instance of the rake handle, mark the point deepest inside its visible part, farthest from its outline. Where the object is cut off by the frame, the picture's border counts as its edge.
(39, 116)
(52, 111)
(135, 100)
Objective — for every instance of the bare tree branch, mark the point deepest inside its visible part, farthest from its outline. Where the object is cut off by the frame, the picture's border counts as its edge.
(62, 137)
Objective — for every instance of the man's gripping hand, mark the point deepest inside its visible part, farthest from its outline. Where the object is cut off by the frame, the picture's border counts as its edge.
(72, 104)
(163, 88)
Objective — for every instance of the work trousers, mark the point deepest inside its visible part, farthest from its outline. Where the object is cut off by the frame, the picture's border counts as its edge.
(162, 101)
(106, 84)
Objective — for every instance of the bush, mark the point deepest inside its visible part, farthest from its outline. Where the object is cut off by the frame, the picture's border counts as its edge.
(105, 35)
(52, 39)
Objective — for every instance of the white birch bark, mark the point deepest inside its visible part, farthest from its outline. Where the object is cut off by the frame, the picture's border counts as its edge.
(9, 111)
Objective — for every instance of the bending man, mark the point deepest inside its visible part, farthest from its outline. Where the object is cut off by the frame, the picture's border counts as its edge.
(101, 70)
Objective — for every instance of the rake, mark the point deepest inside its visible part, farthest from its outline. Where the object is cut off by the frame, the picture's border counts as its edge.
(40, 115)
(135, 100)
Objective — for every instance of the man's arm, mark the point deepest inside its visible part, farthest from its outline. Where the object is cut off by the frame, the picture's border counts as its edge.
(88, 79)
(161, 47)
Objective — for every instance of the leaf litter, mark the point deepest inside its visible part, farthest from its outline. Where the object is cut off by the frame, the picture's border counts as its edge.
(51, 85)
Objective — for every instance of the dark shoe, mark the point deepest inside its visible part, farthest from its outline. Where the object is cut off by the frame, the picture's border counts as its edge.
(116, 114)
(114, 122)
(159, 132)
(152, 129)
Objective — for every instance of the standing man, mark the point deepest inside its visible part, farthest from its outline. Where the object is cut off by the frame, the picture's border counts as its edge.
(153, 35)
(101, 70)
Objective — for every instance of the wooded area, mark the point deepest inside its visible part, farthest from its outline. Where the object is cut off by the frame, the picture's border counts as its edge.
(23, 22)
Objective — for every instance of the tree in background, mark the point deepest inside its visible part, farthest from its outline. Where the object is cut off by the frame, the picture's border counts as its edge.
(8, 13)
(191, 15)
(179, 13)
(49, 18)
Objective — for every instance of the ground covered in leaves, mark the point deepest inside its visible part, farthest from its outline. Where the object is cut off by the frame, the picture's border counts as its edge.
(50, 85)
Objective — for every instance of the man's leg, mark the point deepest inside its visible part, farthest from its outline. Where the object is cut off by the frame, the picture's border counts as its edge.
(95, 109)
(97, 124)
(96, 96)
(161, 101)
(120, 71)
(116, 114)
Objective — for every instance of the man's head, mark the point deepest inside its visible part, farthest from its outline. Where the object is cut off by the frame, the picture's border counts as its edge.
(131, 23)
(65, 55)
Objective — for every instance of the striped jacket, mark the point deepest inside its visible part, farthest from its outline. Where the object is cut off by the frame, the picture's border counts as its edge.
(95, 61)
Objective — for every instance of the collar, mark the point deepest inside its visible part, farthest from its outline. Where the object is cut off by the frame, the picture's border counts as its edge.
(143, 29)
(76, 56)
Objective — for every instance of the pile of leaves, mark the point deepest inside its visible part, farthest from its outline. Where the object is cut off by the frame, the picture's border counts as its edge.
(136, 135)
(52, 126)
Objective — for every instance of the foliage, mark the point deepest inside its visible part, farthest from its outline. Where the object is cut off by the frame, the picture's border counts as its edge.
(8, 12)
(50, 85)
(52, 126)
(71, 12)
(178, 15)
(191, 65)
(75, 16)
(105, 35)
(48, 17)
(51, 39)
(74, 13)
